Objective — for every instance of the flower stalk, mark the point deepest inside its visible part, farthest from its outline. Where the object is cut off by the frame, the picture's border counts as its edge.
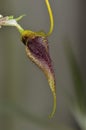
(51, 18)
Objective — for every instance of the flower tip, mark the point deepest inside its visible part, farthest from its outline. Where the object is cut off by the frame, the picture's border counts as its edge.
(20, 17)
(54, 106)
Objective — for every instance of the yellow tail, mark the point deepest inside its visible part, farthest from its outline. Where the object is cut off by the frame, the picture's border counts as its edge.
(52, 84)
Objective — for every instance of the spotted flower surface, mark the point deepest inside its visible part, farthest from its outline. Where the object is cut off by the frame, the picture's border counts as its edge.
(37, 50)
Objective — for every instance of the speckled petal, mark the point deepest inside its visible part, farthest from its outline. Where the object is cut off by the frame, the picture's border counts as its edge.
(38, 51)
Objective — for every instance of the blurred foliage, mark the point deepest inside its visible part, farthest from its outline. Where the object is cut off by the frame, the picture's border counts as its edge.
(14, 110)
(78, 103)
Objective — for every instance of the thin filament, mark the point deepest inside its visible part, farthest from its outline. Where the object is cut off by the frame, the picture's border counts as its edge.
(51, 17)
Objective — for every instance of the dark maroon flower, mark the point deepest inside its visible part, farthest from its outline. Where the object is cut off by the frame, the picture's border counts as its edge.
(37, 50)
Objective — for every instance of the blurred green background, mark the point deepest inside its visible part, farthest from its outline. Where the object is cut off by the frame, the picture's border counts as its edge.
(25, 97)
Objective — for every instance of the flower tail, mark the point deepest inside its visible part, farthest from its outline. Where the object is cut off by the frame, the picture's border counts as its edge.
(51, 81)
(54, 105)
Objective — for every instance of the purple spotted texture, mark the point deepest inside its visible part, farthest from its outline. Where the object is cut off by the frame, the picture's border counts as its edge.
(38, 47)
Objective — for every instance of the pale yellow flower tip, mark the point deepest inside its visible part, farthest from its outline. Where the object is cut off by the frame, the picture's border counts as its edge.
(54, 106)
(52, 84)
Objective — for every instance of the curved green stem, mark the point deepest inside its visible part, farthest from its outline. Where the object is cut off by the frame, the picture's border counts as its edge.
(51, 18)
(20, 29)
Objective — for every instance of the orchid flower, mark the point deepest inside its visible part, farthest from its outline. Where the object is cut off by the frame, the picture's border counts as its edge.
(37, 48)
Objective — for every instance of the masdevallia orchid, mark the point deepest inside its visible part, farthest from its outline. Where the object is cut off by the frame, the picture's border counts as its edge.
(37, 48)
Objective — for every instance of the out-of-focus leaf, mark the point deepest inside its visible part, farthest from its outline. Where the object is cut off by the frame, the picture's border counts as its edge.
(13, 109)
(9, 108)
(79, 86)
